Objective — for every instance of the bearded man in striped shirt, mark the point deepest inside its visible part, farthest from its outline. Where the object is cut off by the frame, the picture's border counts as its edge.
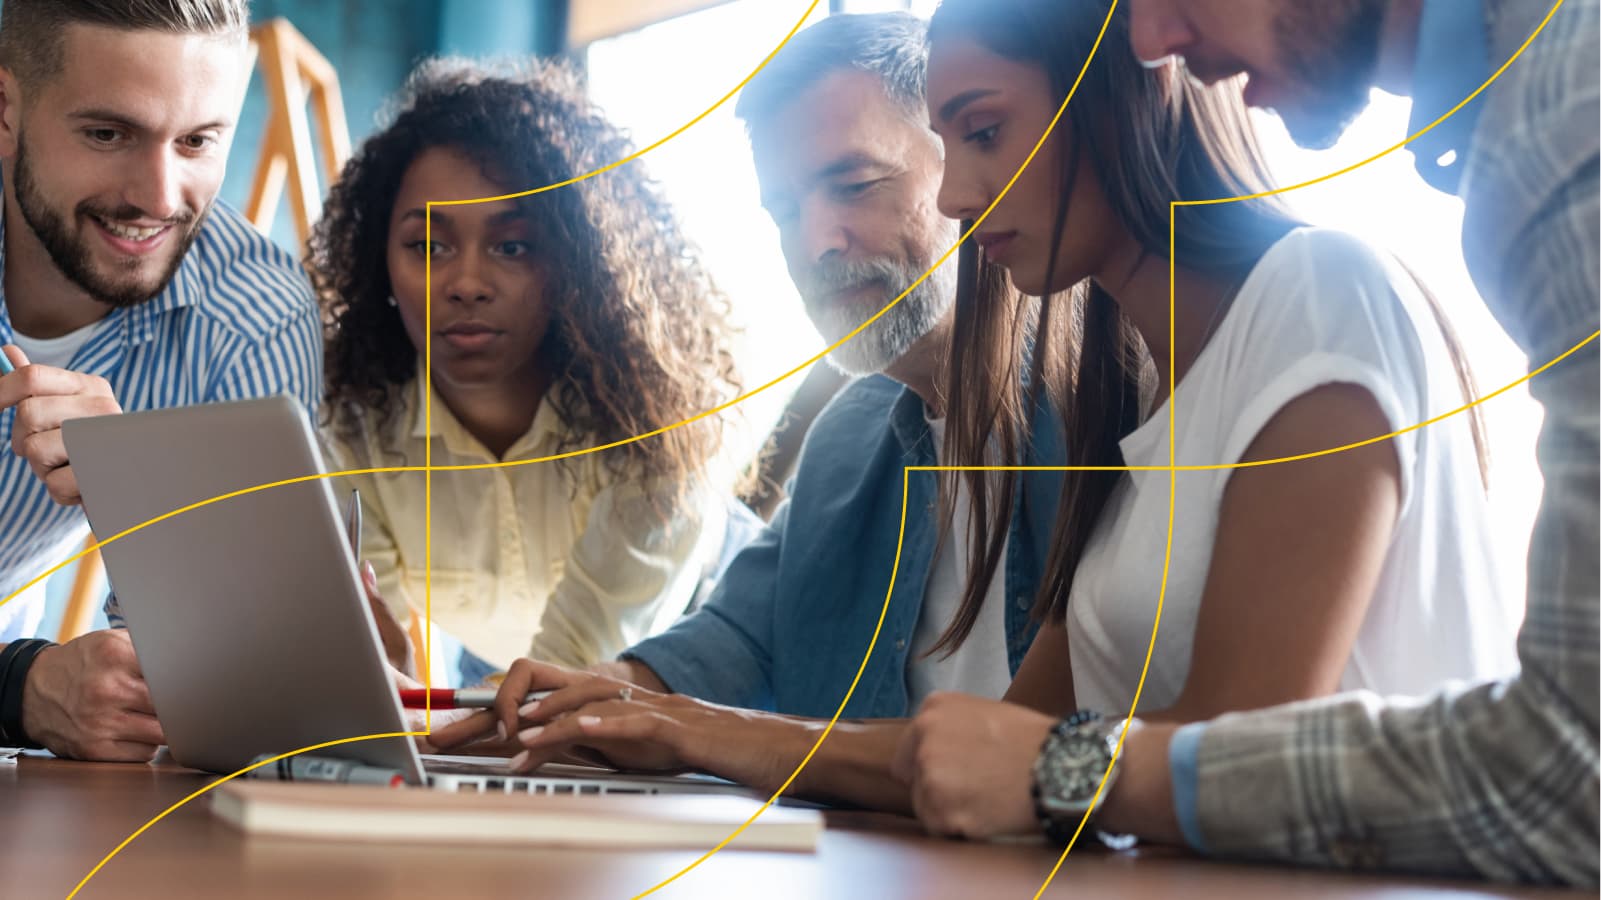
(124, 285)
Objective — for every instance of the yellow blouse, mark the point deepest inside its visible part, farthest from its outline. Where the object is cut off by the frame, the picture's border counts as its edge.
(559, 561)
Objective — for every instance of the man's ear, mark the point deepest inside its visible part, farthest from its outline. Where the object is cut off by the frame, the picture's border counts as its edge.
(10, 113)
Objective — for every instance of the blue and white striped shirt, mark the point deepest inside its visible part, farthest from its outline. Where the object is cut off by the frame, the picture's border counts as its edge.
(238, 320)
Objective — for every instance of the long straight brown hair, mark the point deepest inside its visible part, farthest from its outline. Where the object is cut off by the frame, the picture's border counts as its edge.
(1150, 136)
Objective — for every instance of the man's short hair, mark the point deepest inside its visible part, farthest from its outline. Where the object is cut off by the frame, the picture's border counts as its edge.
(32, 32)
(891, 46)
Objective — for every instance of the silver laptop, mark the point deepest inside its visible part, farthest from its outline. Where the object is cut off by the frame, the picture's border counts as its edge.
(248, 615)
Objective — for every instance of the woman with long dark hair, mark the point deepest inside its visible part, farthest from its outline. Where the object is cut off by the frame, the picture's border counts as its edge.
(563, 320)
(1285, 581)
(1369, 568)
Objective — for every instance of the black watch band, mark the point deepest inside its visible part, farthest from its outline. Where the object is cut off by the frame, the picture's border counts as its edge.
(15, 660)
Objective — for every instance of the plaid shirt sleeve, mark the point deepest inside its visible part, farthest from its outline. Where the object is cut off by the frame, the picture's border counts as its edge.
(1498, 779)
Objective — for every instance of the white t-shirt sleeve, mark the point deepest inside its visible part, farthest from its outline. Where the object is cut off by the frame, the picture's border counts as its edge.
(1324, 308)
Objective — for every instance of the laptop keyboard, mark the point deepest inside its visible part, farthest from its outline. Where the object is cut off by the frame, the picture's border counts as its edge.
(523, 784)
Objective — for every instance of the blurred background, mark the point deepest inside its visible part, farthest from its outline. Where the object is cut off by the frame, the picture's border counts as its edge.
(653, 65)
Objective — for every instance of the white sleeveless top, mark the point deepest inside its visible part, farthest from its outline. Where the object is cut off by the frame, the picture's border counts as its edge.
(1320, 307)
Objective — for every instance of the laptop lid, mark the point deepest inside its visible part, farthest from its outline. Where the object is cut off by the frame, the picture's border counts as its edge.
(248, 614)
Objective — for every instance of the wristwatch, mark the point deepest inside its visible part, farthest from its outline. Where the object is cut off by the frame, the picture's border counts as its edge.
(1075, 755)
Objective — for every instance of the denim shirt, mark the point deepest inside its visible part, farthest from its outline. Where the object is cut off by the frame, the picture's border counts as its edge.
(792, 617)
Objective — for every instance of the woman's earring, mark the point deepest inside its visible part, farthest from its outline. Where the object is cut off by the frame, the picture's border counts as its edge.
(392, 301)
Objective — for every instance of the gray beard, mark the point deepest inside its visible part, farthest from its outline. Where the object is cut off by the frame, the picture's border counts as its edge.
(892, 334)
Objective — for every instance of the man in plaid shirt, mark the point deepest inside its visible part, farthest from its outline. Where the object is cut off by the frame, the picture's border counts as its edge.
(1498, 779)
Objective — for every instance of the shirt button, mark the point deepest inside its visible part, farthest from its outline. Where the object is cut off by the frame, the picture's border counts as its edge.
(1022, 601)
(900, 643)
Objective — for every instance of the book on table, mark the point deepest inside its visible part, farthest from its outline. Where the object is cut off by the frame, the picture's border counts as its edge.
(661, 821)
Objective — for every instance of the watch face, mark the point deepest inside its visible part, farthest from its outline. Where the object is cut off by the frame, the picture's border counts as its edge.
(1072, 769)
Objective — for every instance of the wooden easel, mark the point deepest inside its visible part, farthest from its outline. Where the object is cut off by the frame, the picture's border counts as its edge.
(294, 72)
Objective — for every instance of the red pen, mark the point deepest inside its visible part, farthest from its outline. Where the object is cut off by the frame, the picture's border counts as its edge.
(468, 698)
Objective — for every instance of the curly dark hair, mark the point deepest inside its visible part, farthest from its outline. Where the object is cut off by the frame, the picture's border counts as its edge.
(639, 336)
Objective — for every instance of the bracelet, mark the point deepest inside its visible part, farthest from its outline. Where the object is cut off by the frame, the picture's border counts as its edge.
(15, 661)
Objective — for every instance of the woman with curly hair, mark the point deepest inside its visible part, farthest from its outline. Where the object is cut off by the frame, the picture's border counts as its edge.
(560, 321)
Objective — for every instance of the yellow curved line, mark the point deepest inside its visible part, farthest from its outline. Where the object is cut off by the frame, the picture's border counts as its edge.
(1421, 132)
(1167, 553)
(1172, 417)
(1209, 467)
(900, 539)
(428, 468)
(1172, 468)
(164, 813)
(814, 358)
(428, 492)
(428, 347)
(1186, 468)
(883, 612)
(860, 669)
(641, 152)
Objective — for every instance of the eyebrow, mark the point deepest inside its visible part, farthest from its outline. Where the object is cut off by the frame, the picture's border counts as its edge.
(500, 218)
(842, 165)
(115, 118)
(507, 216)
(954, 105)
(850, 162)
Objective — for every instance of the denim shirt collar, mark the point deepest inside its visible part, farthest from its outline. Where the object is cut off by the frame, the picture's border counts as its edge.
(909, 422)
(1453, 61)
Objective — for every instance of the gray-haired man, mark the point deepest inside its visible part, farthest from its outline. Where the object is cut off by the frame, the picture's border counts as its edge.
(849, 171)
(1496, 779)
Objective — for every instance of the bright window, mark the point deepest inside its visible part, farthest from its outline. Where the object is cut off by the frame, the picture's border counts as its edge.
(653, 81)
(656, 79)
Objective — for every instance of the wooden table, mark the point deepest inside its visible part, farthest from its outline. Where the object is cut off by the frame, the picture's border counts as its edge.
(58, 819)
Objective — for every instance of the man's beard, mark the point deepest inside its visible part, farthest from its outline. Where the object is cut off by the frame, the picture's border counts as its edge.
(892, 334)
(71, 254)
(1331, 49)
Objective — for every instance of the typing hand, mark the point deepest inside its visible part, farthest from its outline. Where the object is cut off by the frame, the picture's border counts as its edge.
(417, 719)
(621, 724)
(87, 699)
(969, 763)
(632, 727)
(524, 677)
(44, 397)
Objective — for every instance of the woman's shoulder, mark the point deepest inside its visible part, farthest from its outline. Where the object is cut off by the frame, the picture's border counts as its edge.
(1325, 305)
(1322, 284)
(357, 434)
(1328, 259)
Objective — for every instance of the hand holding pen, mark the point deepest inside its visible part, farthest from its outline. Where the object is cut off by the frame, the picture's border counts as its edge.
(466, 698)
(396, 642)
(36, 432)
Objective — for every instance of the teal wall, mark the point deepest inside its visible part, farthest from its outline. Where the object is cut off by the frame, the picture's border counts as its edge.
(373, 44)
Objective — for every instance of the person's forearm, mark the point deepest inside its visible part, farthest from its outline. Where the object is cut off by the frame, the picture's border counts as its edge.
(851, 767)
(1205, 706)
(1141, 799)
